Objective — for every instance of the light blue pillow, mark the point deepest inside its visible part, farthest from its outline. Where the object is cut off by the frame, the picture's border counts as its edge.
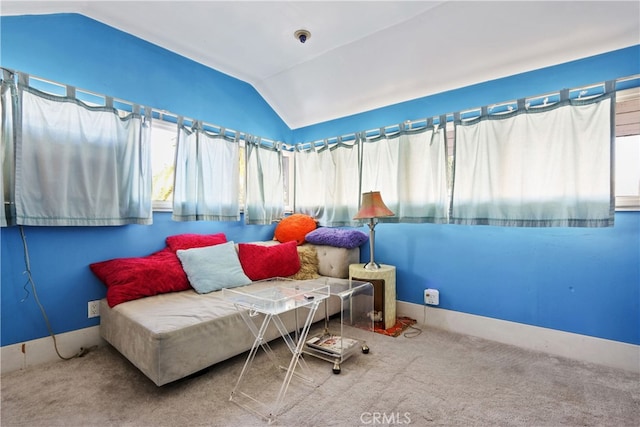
(213, 267)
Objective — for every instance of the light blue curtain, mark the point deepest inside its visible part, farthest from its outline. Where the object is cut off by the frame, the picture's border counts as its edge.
(264, 201)
(206, 175)
(327, 182)
(8, 105)
(537, 166)
(409, 168)
(78, 165)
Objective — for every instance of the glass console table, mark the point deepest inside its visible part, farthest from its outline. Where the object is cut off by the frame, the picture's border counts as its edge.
(356, 309)
(267, 301)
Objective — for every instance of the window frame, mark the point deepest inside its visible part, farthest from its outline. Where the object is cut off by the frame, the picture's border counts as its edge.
(288, 179)
(163, 205)
(627, 123)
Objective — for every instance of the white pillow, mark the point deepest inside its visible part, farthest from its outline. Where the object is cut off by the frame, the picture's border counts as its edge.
(213, 267)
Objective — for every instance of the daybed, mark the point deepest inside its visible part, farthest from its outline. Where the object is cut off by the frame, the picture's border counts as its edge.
(171, 335)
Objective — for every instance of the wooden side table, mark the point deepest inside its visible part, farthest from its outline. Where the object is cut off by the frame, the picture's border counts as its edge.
(387, 275)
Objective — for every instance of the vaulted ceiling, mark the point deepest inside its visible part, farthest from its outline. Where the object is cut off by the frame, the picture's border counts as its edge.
(363, 54)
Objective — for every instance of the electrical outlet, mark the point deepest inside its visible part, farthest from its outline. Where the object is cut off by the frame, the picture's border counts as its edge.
(93, 309)
(431, 297)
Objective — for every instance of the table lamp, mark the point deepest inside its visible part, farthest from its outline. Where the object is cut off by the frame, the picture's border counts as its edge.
(372, 207)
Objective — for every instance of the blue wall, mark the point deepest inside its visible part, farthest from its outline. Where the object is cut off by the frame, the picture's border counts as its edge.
(60, 258)
(585, 281)
(595, 69)
(81, 52)
(579, 280)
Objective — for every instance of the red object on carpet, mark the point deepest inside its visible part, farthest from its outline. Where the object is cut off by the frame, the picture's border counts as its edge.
(402, 323)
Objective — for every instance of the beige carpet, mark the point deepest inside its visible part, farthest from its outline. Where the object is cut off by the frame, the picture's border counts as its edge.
(434, 378)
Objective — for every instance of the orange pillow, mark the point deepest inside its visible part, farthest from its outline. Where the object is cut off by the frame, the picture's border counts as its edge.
(294, 227)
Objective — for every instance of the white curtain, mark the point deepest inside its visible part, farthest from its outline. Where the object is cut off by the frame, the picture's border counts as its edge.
(537, 166)
(327, 183)
(264, 201)
(206, 176)
(409, 168)
(79, 165)
(8, 101)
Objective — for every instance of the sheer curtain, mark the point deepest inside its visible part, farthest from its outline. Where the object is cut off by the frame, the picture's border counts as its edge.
(264, 202)
(8, 101)
(80, 165)
(206, 176)
(548, 165)
(327, 182)
(409, 168)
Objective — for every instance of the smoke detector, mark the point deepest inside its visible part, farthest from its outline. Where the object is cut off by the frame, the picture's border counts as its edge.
(302, 35)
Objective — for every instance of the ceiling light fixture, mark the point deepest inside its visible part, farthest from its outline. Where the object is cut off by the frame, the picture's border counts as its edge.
(302, 35)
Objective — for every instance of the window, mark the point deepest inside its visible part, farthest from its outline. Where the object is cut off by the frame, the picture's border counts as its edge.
(242, 174)
(91, 163)
(627, 149)
(287, 168)
(164, 136)
(163, 152)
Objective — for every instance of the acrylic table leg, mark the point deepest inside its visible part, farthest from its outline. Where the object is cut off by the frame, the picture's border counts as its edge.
(295, 358)
(258, 342)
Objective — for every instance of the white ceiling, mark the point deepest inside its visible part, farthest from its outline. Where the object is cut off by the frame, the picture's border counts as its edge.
(363, 54)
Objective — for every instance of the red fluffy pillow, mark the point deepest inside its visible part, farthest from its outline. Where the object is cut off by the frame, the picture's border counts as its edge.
(263, 262)
(133, 278)
(294, 227)
(190, 241)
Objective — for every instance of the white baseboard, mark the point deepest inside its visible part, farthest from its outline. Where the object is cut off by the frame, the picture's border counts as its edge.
(24, 355)
(600, 351)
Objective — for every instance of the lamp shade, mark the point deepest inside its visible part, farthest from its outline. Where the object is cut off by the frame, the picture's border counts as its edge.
(372, 206)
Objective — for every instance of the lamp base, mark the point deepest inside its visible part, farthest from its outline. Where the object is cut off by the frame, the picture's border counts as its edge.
(372, 266)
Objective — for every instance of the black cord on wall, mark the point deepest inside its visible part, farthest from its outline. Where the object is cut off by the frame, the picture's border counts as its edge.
(30, 281)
